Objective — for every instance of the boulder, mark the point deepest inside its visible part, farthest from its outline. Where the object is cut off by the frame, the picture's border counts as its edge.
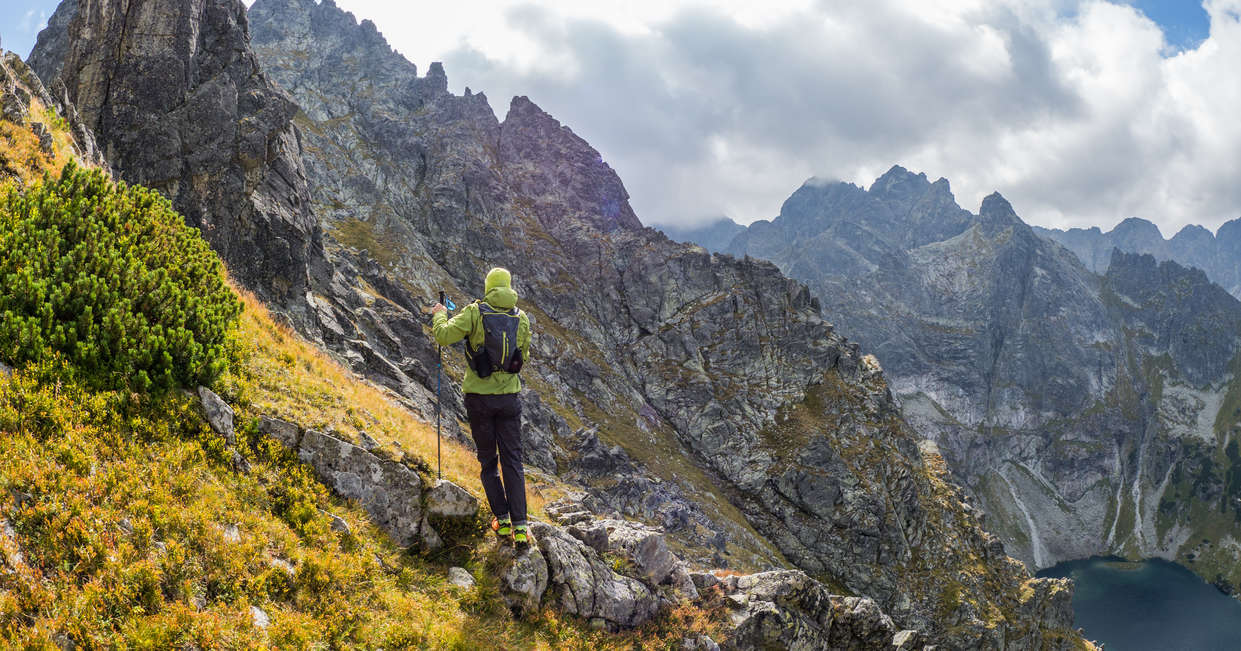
(683, 583)
(450, 501)
(583, 584)
(430, 538)
(240, 463)
(594, 535)
(218, 414)
(704, 580)
(8, 538)
(283, 565)
(699, 642)
(460, 577)
(231, 533)
(907, 639)
(5, 370)
(367, 442)
(261, 620)
(787, 609)
(860, 624)
(389, 492)
(645, 547)
(523, 580)
(281, 430)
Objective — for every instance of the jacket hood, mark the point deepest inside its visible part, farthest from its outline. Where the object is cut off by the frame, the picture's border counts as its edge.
(499, 290)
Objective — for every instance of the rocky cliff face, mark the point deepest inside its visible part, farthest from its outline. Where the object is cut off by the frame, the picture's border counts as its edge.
(177, 100)
(1080, 409)
(700, 393)
(1218, 254)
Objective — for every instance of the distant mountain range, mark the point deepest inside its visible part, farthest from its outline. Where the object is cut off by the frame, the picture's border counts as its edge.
(1218, 254)
(1089, 400)
(713, 236)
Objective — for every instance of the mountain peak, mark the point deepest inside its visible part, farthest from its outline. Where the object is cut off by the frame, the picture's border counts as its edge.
(561, 172)
(899, 182)
(1137, 226)
(437, 77)
(995, 208)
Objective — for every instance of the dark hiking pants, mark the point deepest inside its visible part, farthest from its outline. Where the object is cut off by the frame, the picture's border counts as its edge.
(495, 423)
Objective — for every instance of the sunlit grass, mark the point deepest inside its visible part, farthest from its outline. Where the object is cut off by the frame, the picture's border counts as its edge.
(123, 506)
(21, 157)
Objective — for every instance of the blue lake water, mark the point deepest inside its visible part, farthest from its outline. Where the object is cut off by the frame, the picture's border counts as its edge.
(1150, 606)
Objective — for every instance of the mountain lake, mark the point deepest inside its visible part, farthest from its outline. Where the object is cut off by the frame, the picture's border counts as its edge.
(1151, 605)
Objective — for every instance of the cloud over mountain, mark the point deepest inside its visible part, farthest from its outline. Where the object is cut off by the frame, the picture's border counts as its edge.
(1082, 112)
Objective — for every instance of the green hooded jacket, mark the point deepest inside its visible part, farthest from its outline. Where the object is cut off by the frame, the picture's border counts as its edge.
(468, 323)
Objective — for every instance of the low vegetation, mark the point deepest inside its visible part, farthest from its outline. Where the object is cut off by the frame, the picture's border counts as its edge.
(109, 276)
(125, 522)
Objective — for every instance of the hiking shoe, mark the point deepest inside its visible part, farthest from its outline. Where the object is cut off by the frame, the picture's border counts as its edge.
(521, 536)
(503, 528)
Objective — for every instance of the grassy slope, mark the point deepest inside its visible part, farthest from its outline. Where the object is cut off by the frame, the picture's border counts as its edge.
(117, 511)
(22, 161)
(120, 506)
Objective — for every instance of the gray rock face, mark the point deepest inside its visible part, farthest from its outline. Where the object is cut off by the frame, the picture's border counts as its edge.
(524, 579)
(185, 109)
(448, 500)
(460, 577)
(582, 584)
(389, 492)
(1076, 407)
(218, 414)
(789, 610)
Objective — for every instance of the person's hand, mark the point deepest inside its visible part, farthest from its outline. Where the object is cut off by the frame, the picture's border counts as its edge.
(437, 308)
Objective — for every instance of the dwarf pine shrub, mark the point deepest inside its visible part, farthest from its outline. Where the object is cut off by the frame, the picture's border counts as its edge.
(109, 275)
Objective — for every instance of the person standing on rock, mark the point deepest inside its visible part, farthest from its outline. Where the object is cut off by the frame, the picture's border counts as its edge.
(497, 344)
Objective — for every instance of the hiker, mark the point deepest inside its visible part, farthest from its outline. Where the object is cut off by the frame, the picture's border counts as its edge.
(497, 344)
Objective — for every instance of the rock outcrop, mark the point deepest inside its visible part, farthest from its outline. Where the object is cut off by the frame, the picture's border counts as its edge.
(407, 506)
(178, 102)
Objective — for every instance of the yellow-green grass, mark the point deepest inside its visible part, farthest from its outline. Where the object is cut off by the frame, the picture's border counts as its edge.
(121, 502)
(21, 158)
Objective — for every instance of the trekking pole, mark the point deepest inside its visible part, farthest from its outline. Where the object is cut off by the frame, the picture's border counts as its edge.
(439, 372)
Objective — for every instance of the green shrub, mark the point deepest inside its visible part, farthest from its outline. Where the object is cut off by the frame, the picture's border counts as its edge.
(109, 275)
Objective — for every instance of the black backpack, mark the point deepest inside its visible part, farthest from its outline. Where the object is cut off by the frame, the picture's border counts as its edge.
(499, 351)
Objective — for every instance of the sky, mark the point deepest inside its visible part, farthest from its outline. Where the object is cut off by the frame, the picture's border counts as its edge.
(1080, 112)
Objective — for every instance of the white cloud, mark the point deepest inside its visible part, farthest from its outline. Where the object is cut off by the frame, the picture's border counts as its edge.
(1078, 111)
